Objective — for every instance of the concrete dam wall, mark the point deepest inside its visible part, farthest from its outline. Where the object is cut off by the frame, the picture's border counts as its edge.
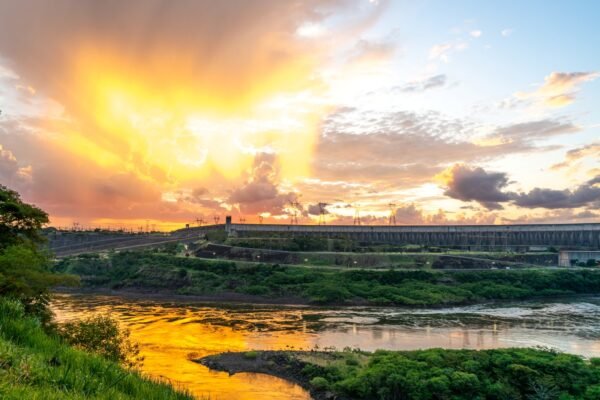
(514, 237)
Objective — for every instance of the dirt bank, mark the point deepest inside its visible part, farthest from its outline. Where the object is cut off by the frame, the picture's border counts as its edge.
(282, 364)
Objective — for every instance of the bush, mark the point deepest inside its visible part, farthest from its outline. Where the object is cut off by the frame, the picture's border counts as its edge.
(101, 335)
(319, 383)
(251, 355)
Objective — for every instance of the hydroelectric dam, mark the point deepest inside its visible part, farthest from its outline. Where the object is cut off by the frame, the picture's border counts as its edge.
(518, 238)
(507, 237)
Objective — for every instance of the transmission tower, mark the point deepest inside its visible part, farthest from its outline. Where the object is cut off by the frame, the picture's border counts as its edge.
(322, 212)
(200, 221)
(260, 219)
(295, 205)
(242, 220)
(392, 218)
(357, 214)
(217, 218)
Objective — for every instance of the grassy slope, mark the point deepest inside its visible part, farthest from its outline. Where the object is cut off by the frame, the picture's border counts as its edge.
(170, 274)
(517, 374)
(34, 365)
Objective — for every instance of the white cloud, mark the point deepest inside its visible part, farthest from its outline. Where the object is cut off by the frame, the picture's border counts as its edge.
(476, 33)
(507, 32)
(442, 51)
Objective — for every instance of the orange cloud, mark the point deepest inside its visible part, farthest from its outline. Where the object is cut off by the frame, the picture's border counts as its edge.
(559, 88)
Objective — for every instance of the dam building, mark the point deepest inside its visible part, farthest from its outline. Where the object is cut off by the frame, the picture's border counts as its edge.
(510, 237)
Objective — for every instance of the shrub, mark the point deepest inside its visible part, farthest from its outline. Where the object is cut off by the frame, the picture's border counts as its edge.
(102, 335)
(319, 383)
(251, 355)
(257, 290)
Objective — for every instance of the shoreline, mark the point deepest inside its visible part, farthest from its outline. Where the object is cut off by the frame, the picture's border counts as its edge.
(291, 302)
(278, 363)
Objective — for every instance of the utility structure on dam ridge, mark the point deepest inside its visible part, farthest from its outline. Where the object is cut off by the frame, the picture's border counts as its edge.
(492, 237)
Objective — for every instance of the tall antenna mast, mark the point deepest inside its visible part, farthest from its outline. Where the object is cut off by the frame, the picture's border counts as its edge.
(392, 218)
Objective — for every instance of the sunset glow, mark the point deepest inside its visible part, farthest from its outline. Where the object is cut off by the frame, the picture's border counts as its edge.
(162, 113)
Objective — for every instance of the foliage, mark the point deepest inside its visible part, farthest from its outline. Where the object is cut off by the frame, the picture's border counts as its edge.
(216, 236)
(318, 382)
(25, 270)
(34, 365)
(151, 271)
(457, 374)
(251, 355)
(25, 275)
(19, 222)
(102, 335)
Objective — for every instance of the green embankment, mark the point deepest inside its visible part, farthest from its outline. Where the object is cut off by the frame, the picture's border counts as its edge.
(158, 272)
(36, 366)
(519, 374)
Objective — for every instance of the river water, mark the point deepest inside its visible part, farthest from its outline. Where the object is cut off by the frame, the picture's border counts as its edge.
(171, 333)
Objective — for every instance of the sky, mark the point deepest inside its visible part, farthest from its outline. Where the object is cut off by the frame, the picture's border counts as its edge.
(164, 113)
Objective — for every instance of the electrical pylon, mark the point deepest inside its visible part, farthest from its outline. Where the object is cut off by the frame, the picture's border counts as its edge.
(322, 212)
(392, 218)
(357, 214)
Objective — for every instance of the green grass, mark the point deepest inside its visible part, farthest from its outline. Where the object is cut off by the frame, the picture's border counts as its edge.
(34, 365)
(169, 274)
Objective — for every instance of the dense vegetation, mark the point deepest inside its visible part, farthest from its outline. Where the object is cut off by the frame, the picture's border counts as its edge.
(24, 269)
(36, 359)
(163, 272)
(35, 365)
(454, 374)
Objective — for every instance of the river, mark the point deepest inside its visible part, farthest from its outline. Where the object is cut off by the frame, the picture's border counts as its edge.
(171, 333)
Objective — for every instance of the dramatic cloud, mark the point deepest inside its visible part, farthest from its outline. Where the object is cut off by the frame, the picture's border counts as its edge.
(582, 196)
(261, 194)
(559, 88)
(411, 148)
(488, 188)
(475, 184)
(164, 97)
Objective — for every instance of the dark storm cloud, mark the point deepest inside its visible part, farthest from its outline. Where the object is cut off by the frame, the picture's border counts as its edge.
(488, 188)
(582, 196)
(475, 184)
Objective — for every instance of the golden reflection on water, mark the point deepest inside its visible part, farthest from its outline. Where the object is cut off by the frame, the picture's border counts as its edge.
(171, 334)
(170, 338)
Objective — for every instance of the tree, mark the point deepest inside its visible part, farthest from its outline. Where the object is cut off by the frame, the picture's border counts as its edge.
(25, 269)
(19, 222)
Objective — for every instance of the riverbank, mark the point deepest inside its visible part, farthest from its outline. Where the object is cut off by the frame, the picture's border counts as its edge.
(160, 274)
(423, 374)
(36, 365)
